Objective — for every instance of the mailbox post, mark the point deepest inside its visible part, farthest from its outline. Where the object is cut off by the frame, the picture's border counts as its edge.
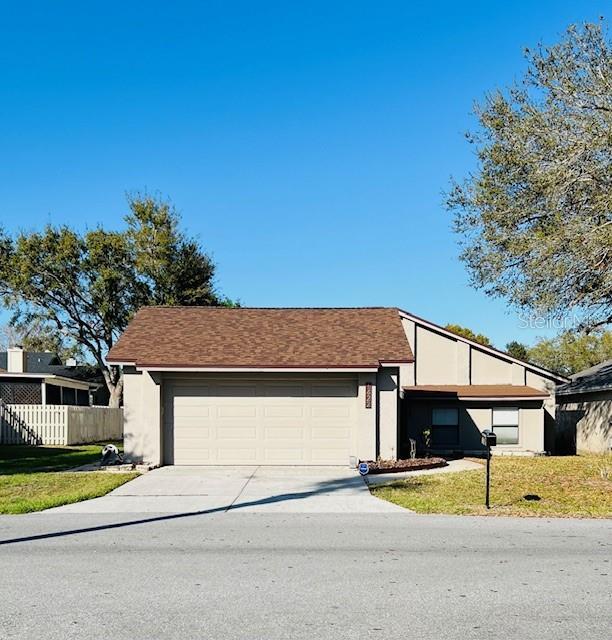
(488, 439)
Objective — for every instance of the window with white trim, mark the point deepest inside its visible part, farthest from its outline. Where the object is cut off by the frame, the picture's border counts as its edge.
(445, 426)
(506, 424)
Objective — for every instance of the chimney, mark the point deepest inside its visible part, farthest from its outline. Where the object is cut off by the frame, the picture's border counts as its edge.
(16, 360)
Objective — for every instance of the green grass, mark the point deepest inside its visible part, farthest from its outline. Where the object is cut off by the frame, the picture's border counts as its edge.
(26, 492)
(31, 478)
(24, 459)
(571, 486)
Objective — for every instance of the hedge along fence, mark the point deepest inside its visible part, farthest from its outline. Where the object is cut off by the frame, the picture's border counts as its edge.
(38, 424)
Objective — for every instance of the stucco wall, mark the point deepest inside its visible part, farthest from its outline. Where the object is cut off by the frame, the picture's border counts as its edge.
(366, 427)
(142, 417)
(444, 359)
(586, 421)
(388, 396)
(436, 359)
(489, 369)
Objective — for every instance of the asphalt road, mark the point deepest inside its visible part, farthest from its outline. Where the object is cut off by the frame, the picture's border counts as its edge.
(293, 576)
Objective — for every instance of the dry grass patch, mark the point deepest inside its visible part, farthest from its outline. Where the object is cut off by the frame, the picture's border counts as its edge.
(572, 486)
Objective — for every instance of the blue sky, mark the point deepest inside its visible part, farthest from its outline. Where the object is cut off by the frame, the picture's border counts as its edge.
(307, 144)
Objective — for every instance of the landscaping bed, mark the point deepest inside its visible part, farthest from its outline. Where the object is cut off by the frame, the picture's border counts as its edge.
(409, 464)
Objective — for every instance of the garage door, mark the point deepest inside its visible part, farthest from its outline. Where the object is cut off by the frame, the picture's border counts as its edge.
(261, 421)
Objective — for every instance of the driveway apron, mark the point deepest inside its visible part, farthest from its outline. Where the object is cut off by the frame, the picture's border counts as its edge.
(240, 489)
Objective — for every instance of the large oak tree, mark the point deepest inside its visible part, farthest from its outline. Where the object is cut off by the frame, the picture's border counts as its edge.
(535, 218)
(87, 286)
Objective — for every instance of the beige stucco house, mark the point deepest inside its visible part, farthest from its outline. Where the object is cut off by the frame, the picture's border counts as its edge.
(584, 410)
(318, 386)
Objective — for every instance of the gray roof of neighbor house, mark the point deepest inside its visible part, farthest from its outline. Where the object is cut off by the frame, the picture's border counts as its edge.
(597, 378)
(210, 337)
(36, 361)
(48, 363)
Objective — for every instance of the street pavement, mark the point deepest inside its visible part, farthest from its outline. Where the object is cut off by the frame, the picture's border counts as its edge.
(236, 574)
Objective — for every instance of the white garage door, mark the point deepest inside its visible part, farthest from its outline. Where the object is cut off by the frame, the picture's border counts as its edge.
(261, 421)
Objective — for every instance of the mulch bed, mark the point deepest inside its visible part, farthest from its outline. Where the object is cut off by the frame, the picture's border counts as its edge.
(394, 466)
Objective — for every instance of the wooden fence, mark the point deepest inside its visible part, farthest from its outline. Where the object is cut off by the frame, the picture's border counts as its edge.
(38, 424)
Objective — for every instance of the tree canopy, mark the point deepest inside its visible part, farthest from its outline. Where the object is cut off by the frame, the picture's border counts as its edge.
(37, 336)
(535, 218)
(517, 350)
(87, 286)
(469, 334)
(570, 352)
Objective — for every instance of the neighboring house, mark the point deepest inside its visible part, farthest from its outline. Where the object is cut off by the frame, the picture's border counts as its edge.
(42, 378)
(210, 385)
(584, 410)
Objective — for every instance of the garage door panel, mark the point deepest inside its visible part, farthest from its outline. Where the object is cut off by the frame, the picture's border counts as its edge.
(236, 411)
(331, 411)
(331, 433)
(192, 415)
(242, 433)
(284, 456)
(263, 422)
(238, 455)
(329, 456)
(195, 433)
(193, 456)
(283, 411)
(276, 434)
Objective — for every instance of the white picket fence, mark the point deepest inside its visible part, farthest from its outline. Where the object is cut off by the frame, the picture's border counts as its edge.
(58, 424)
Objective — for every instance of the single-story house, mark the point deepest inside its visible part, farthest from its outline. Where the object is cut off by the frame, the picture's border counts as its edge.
(584, 410)
(245, 386)
(28, 377)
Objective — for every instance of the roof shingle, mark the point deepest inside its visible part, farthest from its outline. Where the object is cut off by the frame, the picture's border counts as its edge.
(592, 380)
(211, 337)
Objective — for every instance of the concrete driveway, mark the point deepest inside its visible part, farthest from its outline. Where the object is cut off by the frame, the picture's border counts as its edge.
(240, 489)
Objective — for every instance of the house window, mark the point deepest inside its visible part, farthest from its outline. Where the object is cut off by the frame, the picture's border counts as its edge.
(53, 394)
(445, 426)
(68, 395)
(506, 424)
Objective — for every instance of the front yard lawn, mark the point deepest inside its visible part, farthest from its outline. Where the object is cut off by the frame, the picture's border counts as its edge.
(30, 478)
(24, 459)
(25, 492)
(571, 486)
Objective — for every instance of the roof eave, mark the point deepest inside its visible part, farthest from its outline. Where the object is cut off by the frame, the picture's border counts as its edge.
(575, 392)
(258, 369)
(48, 376)
(449, 396)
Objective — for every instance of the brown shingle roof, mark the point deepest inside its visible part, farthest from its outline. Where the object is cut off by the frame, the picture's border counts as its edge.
(475, 391)
(275, 338)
